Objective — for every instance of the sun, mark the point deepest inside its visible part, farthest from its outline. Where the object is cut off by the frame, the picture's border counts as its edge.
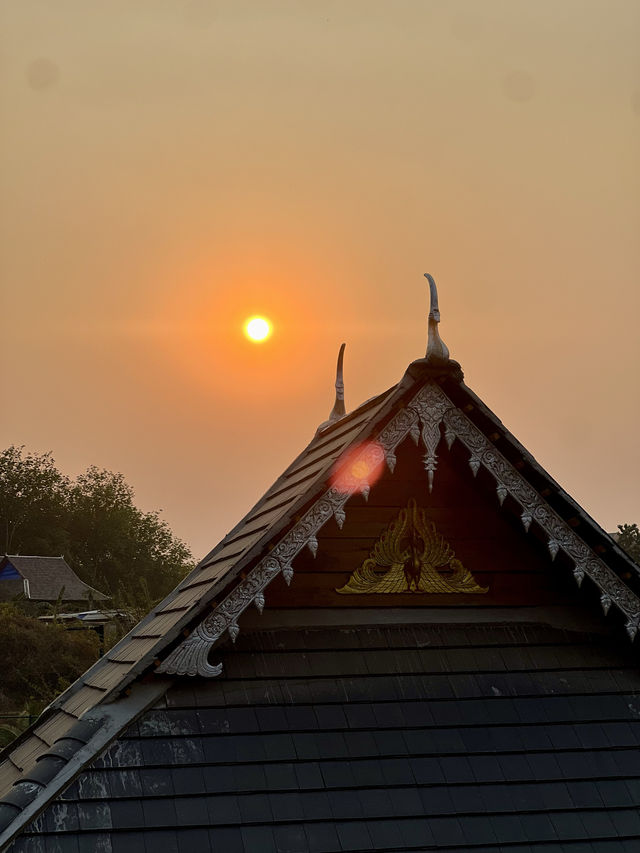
(257, 329)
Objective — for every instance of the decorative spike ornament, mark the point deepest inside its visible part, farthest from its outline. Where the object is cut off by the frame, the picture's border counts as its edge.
(449, 436)
(312, 545)
(287, 574)
(366, 491)
(340, 516)
(474, 464)
(553, 547)
(501, 491)
(526, 518)
(632, 627)
(259, 601)
(437, 350)
(391, 461)
(233, 631)
(606, 602)
(578, 574)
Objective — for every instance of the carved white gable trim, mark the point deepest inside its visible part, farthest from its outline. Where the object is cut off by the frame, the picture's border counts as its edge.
(421, 418)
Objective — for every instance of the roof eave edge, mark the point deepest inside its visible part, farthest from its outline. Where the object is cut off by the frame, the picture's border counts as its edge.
(115, 717)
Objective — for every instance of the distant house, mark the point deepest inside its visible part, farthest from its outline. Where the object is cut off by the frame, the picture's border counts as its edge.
(43, 579)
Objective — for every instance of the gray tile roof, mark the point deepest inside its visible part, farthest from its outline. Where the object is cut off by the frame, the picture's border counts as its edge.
(313, 741)
(50, 576)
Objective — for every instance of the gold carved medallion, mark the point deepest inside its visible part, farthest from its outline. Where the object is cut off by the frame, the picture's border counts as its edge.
(411, 556)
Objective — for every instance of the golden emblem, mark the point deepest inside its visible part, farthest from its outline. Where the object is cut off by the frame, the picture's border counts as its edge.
(411, 556)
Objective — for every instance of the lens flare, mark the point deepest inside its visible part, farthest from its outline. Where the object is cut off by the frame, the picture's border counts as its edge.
(257, 329)
(359, 468)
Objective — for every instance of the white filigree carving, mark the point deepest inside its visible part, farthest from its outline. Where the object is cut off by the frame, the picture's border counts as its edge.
(449, 436)
(559, 534)
(287, 574)
(259, 602)
(632, 627)
(340, 516)
(474, 464)
(430, 404)
(391, 460)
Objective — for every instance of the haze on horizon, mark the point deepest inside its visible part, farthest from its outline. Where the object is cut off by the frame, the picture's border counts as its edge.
(171, 168)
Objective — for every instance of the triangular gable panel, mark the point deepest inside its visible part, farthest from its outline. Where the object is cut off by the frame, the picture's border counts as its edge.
(431, 417)
(408, 547)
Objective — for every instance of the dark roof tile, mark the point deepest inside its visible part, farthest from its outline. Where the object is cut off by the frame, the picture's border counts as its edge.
(49, 576)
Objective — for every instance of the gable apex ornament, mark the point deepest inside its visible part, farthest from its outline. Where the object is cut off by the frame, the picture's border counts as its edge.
(338, 410)
(437, 350)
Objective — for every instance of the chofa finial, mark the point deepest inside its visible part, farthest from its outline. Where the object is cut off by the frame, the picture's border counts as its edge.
(338, 407)
(436, 348)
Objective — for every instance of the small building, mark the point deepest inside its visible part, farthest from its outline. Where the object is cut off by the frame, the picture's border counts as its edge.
(45, 579)
(415, 640)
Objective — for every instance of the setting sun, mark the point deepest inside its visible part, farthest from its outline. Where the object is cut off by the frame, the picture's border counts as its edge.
(257, 329)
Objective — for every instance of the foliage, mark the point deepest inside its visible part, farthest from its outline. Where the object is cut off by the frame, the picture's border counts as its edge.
(33, 496)
(629, 539)
(112, 545)
(45, 659)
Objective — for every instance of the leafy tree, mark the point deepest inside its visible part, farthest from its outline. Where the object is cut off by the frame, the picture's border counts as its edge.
(116, 547)
(131, 555)
(629, 539)
(33, 497)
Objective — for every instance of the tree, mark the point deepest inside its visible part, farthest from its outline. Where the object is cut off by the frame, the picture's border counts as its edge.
(33, 497)
(131, 555)
(629, 539)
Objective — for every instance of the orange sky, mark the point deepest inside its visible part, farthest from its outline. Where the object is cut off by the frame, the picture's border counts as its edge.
(168, 168)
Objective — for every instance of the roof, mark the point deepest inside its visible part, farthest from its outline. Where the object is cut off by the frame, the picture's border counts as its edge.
(375, 738)
(176, 638)
(48, 577)
(92, 617)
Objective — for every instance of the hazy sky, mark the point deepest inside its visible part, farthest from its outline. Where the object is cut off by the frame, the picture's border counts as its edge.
(168, 168)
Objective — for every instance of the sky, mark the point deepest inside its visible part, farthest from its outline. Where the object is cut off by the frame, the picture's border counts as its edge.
(170, 167)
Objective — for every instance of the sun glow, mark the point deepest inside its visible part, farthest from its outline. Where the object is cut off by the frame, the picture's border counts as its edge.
(359, 468)
(257, 329)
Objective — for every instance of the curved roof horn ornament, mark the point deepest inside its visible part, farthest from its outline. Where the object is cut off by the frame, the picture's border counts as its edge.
(338, 410)
(437, 350)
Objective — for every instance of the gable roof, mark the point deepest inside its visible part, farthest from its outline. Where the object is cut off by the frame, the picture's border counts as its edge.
(177, 636)
(48, 577)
